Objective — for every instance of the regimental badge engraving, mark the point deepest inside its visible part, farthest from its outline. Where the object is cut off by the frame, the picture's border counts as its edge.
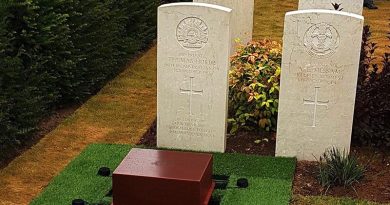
(321, 40)
(192, 33)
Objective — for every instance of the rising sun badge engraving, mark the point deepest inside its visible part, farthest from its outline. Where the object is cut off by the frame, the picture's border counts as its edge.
(192, 33)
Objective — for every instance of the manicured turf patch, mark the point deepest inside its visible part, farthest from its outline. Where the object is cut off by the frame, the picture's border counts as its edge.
(251, 165)
(260, 191)
(270, 179)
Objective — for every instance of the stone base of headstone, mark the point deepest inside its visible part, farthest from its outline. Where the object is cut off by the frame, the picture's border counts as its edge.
(149, 177)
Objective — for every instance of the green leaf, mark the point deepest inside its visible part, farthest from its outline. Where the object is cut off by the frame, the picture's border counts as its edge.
(271, 90)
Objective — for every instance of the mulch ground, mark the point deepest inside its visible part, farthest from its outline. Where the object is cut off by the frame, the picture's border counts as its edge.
(374, 187)
(260, 143)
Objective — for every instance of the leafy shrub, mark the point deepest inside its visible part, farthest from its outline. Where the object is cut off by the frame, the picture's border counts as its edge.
(337, 168)
(254, 85)
(55, 52)
(372, 108)
(250, 91)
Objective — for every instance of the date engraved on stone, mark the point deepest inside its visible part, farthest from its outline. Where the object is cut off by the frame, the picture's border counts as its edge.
(321, 40)
(192, 33)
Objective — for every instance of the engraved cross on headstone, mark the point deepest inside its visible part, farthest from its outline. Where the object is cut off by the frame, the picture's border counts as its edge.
(191, 91)
(316, 103)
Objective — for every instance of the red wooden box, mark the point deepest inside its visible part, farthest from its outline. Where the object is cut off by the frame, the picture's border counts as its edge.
(157, 177)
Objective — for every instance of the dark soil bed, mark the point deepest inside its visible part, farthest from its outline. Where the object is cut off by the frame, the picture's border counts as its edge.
(45, 126)
(246, 142)
(374, 187)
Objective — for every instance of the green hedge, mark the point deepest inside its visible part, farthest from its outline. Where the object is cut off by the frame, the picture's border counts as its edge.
(56, 52)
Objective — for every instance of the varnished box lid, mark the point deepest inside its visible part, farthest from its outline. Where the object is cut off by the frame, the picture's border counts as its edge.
(165, 164)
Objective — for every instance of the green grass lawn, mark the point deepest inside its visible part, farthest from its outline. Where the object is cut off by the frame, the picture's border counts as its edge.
(270, 178)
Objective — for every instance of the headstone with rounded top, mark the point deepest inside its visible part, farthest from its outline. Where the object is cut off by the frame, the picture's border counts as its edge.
(242, 19)
(321, 52)
(193, 51)
(351, 6)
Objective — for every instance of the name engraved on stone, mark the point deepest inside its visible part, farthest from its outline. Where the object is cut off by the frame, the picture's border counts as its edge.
(321, 40)
(316, 103)
(190, 92)
(192, 64)
(192, 33)
(320, 73)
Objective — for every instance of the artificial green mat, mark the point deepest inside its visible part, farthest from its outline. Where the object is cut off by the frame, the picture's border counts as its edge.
(270, 178)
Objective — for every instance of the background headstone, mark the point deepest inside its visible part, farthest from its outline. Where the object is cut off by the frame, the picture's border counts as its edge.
(192, 73)
(352, 6)
(242, 19)
(321, 50)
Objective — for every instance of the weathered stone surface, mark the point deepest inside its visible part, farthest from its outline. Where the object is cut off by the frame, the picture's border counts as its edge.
(192, 71)
(242, 18)
(352, 6)
(320, 63)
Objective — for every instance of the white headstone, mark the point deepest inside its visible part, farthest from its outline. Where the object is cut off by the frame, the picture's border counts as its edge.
(321, 50)
(352, 6)
(192, 73)
(242, 18)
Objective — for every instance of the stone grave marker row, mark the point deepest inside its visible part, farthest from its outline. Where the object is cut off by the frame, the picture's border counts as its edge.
(318, 85)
